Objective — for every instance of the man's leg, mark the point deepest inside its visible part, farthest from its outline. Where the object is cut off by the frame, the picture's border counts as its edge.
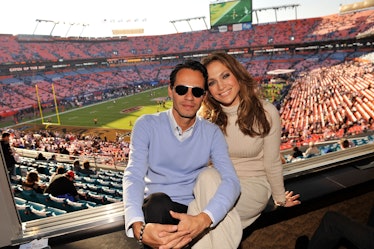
(335, 227)
(156, 209)
(228, 233)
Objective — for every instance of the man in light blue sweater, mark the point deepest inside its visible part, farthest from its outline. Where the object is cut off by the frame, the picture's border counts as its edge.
(172, 198)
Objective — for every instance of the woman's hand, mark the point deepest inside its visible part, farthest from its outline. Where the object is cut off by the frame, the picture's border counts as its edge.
(291, 199)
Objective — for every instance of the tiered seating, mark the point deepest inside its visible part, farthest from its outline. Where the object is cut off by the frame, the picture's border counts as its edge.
(333, 147)
(328, 99)
(103, 188)
(329, 28)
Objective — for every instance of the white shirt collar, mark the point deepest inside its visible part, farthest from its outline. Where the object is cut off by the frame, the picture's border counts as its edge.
(177, 130)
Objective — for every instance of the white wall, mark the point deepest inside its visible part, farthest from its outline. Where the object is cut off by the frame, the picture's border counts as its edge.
(10, 225)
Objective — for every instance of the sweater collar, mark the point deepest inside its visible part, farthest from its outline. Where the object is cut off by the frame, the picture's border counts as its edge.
(230, 110)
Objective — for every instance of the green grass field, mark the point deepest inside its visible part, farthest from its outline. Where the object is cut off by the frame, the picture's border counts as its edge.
(120, 113)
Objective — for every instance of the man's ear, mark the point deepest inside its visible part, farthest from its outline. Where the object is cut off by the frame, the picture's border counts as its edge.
(170, 92)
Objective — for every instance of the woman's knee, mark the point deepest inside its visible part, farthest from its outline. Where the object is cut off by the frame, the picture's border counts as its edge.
(208, 174)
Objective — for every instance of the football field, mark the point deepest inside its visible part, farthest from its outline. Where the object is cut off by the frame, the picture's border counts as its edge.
(120, 113)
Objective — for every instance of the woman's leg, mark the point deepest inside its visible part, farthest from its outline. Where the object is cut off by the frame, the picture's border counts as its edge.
(228, 233)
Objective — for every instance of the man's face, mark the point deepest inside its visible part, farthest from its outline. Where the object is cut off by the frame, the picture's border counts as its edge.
(185, 106)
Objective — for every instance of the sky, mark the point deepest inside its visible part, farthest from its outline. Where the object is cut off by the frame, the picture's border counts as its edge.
(97, 18)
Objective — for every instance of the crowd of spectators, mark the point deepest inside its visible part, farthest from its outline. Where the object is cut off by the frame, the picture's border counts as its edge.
(328, 28)
(73, 145)
(329, 103)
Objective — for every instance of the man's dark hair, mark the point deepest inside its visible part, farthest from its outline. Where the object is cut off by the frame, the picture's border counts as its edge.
(5, 134)
(193, 65)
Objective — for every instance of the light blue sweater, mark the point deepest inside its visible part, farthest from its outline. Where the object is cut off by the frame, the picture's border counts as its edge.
(159, 162)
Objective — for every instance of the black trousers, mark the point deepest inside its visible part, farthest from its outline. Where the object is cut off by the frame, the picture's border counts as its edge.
(335, 227)
(156, 209)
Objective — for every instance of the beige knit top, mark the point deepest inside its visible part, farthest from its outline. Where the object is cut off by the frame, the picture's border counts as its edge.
(256, 156)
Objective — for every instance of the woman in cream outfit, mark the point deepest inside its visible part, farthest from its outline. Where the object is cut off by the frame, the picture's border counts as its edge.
(252, 129)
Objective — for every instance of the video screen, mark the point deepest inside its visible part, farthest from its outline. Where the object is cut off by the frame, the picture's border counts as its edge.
(230, 12)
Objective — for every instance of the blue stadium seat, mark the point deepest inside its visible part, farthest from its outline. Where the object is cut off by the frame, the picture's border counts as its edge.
(17, 189)
(94, 176)
(110, 199)
(43, 198)
(36, 205)
(83, 194)
(29, 195)
(116, 185)
(72, 206)
(44, 178)
(18, 169)
(103, 182)
(24, 212)
(119, 193)
(89, 180)
(108, 191)
(56, 202)
(104, 177)
(17, 179)
(80, 185)
(55, 211)
(95, 197)
(371, 138)
(116, 179)
(28, 213)
(23, 170)
(78, 178)
(19, 201)
(88, 204)
(94, 188)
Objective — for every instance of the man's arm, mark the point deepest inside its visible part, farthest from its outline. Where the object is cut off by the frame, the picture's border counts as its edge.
(133, 177)
(229, 189)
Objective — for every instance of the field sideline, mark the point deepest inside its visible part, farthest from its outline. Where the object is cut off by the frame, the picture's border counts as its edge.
(112, 116)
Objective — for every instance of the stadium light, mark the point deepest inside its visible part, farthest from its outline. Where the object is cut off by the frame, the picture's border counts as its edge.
(84, 25)
(70, 25)
(276, 8)
(38, 21)
(188, 21)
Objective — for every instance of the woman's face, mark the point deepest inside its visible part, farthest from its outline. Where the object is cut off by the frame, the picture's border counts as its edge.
(222, 84)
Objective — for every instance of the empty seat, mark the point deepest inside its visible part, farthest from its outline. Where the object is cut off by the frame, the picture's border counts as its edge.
(19, 201)
(103, 182)
(97, 198)
(110, 199)
(56, 202)
(55, 211)
(28, 213)
(29, 195)
(88, 180)
(36, 205)
(108, 191)
(72, 206)
(116, 185)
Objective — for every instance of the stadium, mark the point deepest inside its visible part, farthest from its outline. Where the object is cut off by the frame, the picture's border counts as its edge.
(81, 92)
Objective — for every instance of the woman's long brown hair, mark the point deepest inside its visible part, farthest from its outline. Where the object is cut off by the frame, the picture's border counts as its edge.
(252, 119)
